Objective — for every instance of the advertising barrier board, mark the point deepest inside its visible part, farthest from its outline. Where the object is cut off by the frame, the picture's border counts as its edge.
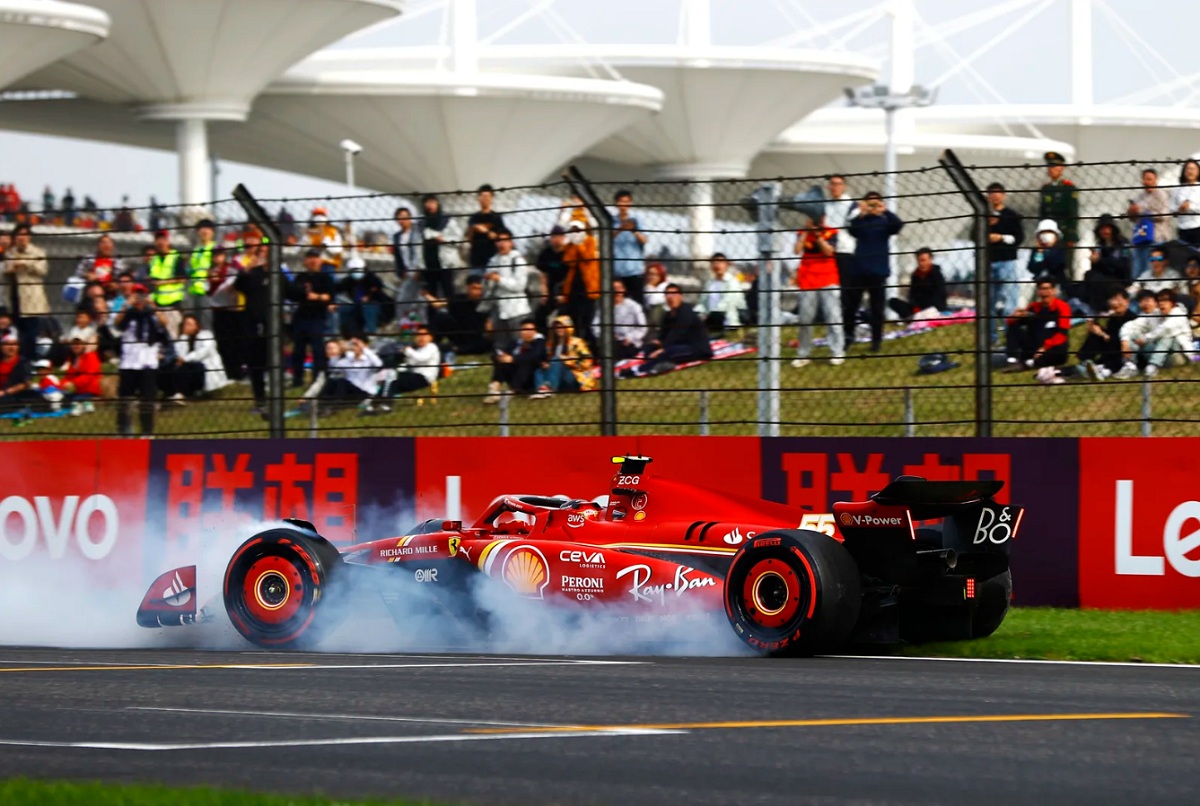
(1139, 523)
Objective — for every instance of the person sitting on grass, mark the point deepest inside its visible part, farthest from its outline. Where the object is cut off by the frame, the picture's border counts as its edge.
(517, 367)
(419, 369)
(724, 298)
(629, 323)
(926, 290)
(351, 374)
(81, 376)
(1134, 336)
(1170, 342)
(568, 363)
(1038, 334)
(682, 336)
(1100, 354)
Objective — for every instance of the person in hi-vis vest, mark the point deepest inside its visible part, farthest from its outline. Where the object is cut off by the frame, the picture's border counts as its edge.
(198, 269)
(167, 276)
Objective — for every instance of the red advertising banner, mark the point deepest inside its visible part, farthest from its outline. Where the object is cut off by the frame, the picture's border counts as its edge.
(1139, 524)
(74, 501)
(458, 477)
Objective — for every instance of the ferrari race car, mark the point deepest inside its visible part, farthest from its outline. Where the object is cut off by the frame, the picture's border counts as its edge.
(921, 560)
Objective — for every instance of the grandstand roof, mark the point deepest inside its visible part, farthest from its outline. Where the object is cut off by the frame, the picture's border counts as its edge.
(34, 33)
(211, 57)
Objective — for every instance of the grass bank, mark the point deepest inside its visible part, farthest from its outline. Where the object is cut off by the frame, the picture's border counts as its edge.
(24, 792)
(1097, 635)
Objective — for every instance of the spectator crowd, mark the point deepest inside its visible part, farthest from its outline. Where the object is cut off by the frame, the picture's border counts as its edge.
(179, 322)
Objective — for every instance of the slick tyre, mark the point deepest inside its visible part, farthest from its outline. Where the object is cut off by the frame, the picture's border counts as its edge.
(792, 592)
(992, 598)
(276, 584)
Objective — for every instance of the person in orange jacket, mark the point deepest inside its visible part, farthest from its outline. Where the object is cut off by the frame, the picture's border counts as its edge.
(581, 288)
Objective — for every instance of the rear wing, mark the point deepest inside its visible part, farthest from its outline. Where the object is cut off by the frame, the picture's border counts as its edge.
(911, 491)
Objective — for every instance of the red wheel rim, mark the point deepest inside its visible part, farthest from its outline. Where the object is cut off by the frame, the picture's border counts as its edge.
(272, 590)
(772, 593)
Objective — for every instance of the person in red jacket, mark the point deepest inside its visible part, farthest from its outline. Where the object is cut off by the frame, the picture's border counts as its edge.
(1038, 335)
(81, 372)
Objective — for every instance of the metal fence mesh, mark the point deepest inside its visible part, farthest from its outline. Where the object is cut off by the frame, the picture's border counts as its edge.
(683, 224)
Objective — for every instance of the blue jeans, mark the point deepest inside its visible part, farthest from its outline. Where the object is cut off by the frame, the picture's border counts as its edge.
(307, 335)
(1005, 293)
(1141, 259)
(557, 377)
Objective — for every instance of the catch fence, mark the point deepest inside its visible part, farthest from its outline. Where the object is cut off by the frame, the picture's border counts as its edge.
(748, 386)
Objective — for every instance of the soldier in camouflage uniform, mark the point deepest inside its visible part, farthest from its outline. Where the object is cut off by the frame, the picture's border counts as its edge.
(1060, 200)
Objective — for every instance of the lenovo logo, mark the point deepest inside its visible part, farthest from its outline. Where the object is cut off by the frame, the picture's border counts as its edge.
(91, 523)
(1176, 545)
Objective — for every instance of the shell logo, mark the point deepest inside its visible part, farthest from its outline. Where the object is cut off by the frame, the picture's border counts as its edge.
(525, 572)
(846, 518)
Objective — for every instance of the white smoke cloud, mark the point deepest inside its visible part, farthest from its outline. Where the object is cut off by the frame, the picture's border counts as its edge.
(61, 603)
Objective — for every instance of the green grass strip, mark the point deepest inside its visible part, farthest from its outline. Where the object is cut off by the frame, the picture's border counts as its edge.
(24, 792)
(1099, 635)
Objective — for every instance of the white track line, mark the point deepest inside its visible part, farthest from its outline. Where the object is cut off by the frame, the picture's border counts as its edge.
(1121, 664)
(347, 717)
(360, 740)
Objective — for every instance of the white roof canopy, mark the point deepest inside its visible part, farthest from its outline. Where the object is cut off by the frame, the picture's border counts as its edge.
(34, 33)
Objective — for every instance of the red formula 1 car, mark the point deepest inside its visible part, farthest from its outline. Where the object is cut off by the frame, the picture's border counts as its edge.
(920, 560)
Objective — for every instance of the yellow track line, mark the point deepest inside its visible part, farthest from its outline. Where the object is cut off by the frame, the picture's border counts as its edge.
(154, 668)
(815, 723)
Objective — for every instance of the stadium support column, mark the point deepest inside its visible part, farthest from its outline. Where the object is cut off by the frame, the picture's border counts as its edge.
(191, 138)
(191, 141)
(703, 221)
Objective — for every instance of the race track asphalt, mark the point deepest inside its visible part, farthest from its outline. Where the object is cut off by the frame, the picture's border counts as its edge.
(524, 730)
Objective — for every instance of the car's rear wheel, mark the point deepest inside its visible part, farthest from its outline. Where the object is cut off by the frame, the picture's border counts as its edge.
(992, 597)
(792, 592)
(276, 583)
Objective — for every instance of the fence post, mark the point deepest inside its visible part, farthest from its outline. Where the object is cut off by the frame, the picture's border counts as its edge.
(983, 310)
(608, 364)
(504, 403)
(765, 204)
(910, 416)
(703, 412)
(259, 217)
(1147, 415)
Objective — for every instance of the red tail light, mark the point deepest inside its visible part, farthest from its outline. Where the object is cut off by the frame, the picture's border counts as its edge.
(970, 587)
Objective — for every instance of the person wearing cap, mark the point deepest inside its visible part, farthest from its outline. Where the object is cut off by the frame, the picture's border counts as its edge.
(629, 247)
(1059, 200)
(26, 267)
(551, 262)
(199, 265)
(1038, 334)
(15, 375)
(364, 291)
(325, 236)
(143, 337)
(312, 290)
(1150, 212)
(482, 229)
(1048, 257)
(167, 280)
(1005, 234)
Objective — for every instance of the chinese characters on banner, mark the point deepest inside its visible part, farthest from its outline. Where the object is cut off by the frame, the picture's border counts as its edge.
(343, 487)
(1041, 475)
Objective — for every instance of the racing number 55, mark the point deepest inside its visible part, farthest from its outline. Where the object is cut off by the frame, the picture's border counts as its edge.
(822, 523)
